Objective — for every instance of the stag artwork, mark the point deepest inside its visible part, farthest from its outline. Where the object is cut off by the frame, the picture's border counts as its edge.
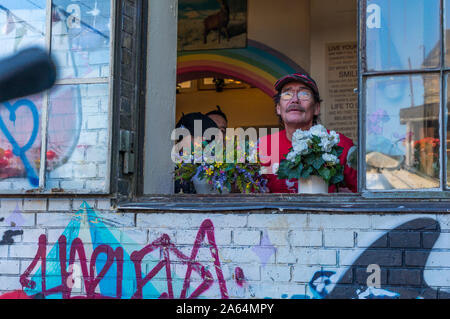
(218, 21)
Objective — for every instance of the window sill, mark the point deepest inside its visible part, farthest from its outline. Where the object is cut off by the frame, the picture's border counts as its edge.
(336, 203)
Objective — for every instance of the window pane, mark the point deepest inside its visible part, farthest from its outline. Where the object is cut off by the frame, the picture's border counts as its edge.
(402, 132)
(77, 148)
(20, 143)
(447, 31)
(448, 131)
(80, 38)
(402, 35)
(22, 24)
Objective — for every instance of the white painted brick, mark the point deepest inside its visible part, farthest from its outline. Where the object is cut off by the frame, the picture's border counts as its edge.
(64, 171)
(309, 256)
(35, 204)
(9, 267)
(348, 256)
(229, 220)
(182, 221)
(391, 221)
(305, 238)
(443, 241)
(156, 234)
(137, 236)
(187, 237)
(22, 220)
(367, 238)
(96, 154)
(251, 272)
(88, 170)
(9, 205)
(277, 237)
(32, 235)
(338, 238)
(62, 205)
(9, 283)
(438, 259)
(3, 251)
(115, 220)
(54, 234)
(246, 237)
(72, 185)
(285, 255)
(23, 250)
(78, 203)
(304, 273)
(444, 221)
(277, 221)
(244, 255)
(278, 291)
(54, 219)
(97, 122)
(333, 221)
(276, 273)
(103, 204)
(437, 277)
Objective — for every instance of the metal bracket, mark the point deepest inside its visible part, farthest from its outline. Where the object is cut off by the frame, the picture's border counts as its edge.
(127, 147)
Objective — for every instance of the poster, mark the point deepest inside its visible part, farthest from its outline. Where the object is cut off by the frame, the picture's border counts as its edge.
(212, 24)
(341, 101)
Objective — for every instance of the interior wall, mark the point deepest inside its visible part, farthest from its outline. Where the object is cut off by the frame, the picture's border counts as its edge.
(332, 21)
(243, 107)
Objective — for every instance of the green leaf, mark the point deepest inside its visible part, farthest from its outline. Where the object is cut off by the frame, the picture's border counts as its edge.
(318, 162)
(307, 172)
(325, 173)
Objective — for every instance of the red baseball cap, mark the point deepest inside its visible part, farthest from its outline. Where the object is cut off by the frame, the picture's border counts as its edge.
(298, 77)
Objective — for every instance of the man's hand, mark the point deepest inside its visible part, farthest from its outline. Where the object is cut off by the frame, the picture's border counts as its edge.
(344, 190)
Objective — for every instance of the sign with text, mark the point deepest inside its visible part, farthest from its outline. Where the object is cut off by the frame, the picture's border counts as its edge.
(341, 103)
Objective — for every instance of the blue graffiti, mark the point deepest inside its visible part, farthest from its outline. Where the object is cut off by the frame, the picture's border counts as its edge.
(16, 149)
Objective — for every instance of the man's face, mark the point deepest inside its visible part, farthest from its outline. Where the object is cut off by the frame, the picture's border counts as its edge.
(220, 121)
(295, 112)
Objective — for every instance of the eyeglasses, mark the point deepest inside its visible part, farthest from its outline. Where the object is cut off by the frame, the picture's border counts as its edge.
(303, 95)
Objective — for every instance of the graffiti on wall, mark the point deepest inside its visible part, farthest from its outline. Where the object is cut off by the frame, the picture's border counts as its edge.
(91, 260)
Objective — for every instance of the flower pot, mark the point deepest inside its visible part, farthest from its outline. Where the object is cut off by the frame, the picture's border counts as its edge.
(203, 187)
(312, 185)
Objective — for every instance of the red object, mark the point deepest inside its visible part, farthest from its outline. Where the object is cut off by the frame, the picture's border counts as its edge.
(8, 154)
(17, 294)
(3, 162)
(291, 185)
(51, 155)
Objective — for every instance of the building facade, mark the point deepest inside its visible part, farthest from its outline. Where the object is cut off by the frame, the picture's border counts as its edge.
(87, 205)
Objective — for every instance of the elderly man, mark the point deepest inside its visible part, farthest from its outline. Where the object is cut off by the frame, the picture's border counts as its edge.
(297, 104)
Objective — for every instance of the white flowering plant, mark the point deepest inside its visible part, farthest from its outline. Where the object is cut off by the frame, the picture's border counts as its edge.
(313, 152)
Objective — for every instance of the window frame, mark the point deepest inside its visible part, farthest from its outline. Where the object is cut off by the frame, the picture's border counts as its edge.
(441, 70)
(371, 200)
(41, 189)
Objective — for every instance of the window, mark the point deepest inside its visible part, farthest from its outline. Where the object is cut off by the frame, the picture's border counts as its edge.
(404, 73)
(59, 140)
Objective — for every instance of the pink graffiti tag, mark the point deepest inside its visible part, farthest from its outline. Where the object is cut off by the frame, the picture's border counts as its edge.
(91, 281)
(163, 243)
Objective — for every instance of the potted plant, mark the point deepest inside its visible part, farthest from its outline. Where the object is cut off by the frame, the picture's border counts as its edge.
(237, 172)
(313, 159)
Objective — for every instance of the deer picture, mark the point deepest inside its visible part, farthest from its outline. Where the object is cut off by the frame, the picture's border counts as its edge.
(218, 21)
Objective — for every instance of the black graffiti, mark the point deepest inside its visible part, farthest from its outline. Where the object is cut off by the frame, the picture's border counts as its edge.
(402, 254)
(8, 235)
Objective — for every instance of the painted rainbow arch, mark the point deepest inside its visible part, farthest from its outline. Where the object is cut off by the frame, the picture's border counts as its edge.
(257, 65)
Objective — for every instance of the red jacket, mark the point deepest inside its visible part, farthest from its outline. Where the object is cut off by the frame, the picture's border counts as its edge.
(271, 161)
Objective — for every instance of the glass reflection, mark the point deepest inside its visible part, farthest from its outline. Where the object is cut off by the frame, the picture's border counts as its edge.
(80, 38)
(402, 35)
(402, 132)
(20, 143)
(22, 24)
(448, 132)
(77, 147)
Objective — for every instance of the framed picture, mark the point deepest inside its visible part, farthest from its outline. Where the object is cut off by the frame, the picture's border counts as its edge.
(212, 24)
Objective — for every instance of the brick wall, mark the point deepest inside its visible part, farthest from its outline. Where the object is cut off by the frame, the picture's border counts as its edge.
(255, 254)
